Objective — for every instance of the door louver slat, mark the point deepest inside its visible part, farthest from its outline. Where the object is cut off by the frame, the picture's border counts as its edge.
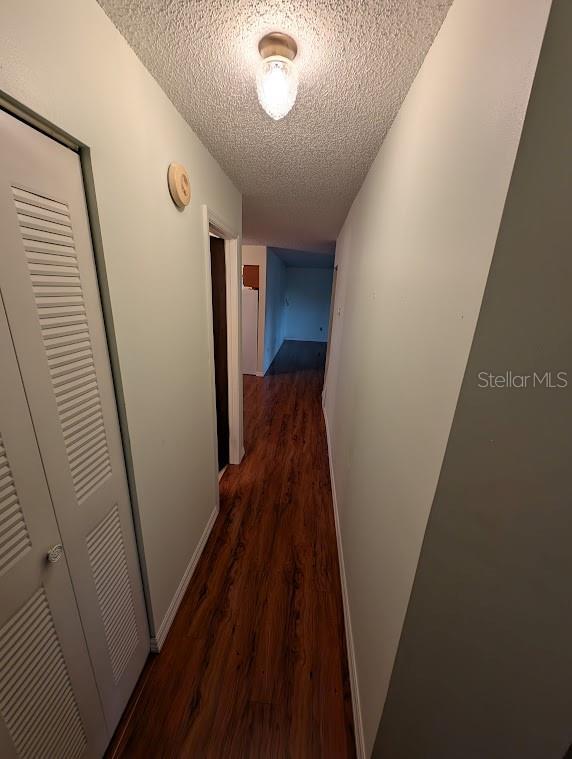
(37, 702)
(47, 234)
(14, 538)
(109, 566)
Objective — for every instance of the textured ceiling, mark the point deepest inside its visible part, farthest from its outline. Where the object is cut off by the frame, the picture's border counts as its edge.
(356, 61)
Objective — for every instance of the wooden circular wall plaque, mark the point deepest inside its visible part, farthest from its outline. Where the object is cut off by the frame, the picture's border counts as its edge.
(179, 185)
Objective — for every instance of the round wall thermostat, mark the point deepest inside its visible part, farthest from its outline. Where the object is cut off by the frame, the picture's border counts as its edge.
(179, 185)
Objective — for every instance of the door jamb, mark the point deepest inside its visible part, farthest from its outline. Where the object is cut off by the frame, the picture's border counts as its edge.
(212, 221)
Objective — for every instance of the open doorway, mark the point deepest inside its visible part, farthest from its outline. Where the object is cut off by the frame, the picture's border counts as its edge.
(223, 283)
(286, 297)
(220, 348)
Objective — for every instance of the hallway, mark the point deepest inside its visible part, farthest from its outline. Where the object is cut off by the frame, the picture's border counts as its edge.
(255, 663)
(284, 357)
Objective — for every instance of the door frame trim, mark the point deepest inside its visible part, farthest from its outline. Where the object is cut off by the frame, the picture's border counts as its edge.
(22, 113)
(213, 221)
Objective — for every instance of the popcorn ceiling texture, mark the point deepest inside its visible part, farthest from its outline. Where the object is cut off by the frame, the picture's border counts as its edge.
(356, 59)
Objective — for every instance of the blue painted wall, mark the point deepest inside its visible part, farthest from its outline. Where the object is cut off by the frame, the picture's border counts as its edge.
(274, 312)
(307, 303)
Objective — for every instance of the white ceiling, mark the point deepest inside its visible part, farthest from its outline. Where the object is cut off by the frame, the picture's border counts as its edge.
(356, 60)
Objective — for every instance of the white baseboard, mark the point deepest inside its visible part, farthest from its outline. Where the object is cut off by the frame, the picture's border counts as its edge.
(260, 374)
(159, 639)
(356, 707)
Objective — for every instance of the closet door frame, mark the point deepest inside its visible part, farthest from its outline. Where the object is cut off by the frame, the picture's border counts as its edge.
(49, 130)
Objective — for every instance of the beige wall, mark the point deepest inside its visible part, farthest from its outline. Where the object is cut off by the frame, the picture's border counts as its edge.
(485, 658)
(419, 239)
(256, 256)
(66, 61)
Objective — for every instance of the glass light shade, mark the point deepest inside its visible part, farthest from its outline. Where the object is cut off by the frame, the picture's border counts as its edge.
(277, 85)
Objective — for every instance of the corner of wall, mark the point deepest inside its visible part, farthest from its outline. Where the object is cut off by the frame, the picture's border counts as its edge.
(160, 636)
(356, 706)
(420, 236)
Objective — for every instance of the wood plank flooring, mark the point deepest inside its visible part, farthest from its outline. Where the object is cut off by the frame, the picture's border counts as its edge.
(255, 663)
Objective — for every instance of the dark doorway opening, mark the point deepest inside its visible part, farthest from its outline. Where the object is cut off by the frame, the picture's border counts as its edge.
(220, 343)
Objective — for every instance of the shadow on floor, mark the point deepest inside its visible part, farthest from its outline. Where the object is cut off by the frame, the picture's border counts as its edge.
(299, 356)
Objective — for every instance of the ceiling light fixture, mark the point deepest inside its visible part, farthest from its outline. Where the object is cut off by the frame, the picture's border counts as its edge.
(277, 76)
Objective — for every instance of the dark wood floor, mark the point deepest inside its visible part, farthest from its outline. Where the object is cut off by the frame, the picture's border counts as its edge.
(255, 663)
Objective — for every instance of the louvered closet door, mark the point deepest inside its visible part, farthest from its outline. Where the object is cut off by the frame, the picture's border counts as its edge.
(49, 285)
(49, 704)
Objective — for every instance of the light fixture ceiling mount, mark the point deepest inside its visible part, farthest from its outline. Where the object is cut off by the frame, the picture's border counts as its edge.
(277, 43)
(277, 76)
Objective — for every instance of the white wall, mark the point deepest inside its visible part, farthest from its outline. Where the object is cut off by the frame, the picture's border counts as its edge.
(67, 62)
(307, 303)
(484, 664)
(274, 317)
(413, 257)
(256, 256)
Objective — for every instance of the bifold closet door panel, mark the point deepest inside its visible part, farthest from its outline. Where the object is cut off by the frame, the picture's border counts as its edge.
(49, 703)
(48, 277)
